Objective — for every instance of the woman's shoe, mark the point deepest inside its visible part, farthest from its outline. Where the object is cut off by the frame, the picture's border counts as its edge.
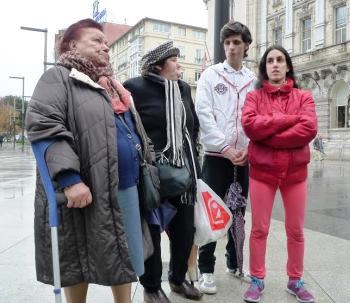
(296, 287)
(187, 290)
(155, 297)
(255, 290)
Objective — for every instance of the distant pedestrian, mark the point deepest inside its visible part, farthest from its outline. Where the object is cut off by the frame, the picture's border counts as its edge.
(318, 148)
(1, 140)
(280, 121)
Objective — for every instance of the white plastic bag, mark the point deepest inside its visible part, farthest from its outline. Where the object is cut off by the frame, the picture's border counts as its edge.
(212, 218)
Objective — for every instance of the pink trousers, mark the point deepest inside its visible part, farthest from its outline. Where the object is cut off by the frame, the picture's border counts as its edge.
(262, 196)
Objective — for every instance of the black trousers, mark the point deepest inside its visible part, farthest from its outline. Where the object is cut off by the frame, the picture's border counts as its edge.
(180, 232)
(218, 173)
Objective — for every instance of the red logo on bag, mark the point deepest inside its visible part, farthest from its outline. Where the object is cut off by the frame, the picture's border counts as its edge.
(218, 216)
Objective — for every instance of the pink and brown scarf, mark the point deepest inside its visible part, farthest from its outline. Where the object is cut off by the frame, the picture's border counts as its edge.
(120, 97)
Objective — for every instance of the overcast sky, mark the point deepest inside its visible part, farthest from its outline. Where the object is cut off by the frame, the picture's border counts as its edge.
(22, 52)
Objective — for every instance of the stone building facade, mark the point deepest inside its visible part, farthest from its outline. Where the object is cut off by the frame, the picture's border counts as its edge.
(316, 33)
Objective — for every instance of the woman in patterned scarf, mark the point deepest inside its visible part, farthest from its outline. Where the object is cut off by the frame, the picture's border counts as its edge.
(167, 112)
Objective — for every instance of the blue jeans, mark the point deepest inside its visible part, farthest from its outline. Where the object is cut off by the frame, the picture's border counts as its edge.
(128, 200)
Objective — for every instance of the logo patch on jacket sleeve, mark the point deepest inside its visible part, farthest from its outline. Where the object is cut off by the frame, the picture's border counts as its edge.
(220, 88)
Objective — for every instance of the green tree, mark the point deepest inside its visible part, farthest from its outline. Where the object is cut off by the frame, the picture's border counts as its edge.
(8, 116)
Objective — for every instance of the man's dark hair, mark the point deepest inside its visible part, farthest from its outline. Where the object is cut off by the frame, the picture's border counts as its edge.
(236, 28)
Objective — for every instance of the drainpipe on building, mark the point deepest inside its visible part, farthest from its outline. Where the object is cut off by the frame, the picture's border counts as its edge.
(221, 17)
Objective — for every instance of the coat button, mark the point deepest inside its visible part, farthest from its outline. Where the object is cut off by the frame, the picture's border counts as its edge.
(129, 136)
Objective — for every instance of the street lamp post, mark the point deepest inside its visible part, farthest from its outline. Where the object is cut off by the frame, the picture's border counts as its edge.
(41, 30)
(22, 110)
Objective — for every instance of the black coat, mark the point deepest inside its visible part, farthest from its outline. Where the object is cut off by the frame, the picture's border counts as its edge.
(149, 99)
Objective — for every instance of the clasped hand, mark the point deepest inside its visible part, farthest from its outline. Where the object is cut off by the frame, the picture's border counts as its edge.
(237, 156)
(78, 195)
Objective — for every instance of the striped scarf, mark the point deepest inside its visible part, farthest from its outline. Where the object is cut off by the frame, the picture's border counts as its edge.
(175, 123)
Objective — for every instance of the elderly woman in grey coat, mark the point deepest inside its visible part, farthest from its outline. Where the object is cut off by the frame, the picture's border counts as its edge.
(96, 134)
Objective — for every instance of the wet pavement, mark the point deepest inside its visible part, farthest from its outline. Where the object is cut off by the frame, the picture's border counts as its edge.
(328, 208)
(327, 270)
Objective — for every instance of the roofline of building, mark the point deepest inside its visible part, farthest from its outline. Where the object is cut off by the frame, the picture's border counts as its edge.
(159, 20)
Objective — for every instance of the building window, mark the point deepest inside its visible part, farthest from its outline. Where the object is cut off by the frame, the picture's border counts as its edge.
(277, 36)
(340, 24)
(198, 35)
(182, 52)
(340, 111)
(182, 31)
(161, 27)
(183, 75)
(198, 56)
(197, 75)
(306, 35)
(123, 41)
(122, 62)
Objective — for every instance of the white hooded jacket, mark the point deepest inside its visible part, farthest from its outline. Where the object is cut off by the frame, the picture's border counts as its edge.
(219, 103)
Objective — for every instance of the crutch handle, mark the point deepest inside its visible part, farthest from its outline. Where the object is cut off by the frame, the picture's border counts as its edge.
(61, 199)
(39, 150)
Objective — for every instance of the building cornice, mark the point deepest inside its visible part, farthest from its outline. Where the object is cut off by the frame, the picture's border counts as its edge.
(305, 11)
(278, 14)
(276, 22)
(337, 3)
(300, 3)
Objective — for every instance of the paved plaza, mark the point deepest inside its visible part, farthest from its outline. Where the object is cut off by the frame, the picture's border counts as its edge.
(327, 266)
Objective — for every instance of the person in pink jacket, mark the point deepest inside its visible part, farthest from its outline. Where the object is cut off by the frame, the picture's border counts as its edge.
(280, 121)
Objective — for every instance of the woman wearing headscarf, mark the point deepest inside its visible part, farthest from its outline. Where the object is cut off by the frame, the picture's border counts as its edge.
(166, 109)
(95, 134)
(280, 120)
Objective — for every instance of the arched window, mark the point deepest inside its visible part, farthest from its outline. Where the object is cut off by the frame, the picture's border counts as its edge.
(340, 105)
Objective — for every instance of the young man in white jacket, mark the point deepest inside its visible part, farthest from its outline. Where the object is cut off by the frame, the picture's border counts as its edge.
(221, 93)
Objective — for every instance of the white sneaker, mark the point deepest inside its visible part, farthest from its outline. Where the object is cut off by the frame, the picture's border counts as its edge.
(207, 284)
(244, 277)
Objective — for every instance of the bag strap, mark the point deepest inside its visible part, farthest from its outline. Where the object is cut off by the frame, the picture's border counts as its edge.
(137, 146)
(187, 136)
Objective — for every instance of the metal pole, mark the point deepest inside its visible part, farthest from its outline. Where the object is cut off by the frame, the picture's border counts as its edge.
(45, 49)
(41, 30)
(221, 17)
(14, 122)
(22, 124)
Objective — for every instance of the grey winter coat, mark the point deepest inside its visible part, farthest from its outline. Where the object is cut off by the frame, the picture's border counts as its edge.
(75, 111)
